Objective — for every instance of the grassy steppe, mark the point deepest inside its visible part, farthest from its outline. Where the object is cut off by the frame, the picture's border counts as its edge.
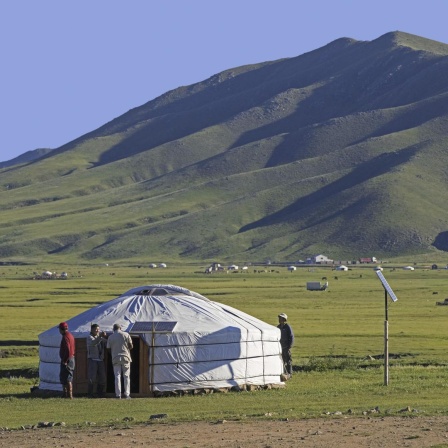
(337, 331)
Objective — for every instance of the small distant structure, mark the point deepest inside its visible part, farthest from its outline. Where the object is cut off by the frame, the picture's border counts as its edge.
(232, 267)
(214, 267)
(408, 268)
(434, 266)
(162, 265)
(152, 265)
(368, 260)
(291, 268)
(316, 286)
(342, 267)
(319, 259)
(48, 275)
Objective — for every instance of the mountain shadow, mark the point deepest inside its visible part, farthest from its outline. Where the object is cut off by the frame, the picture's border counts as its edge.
(441, 241)
(375, 167)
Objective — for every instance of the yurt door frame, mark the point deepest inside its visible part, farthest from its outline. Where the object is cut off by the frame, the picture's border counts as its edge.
(147, 364)
(139, 368)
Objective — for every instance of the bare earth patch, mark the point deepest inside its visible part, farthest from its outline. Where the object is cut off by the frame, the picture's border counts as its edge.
(314, 433)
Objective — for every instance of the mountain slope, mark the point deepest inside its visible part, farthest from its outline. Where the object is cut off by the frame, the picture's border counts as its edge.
(341, 150)
(26, 157)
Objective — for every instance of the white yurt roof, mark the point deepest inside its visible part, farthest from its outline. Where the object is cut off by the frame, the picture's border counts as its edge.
(191, 311)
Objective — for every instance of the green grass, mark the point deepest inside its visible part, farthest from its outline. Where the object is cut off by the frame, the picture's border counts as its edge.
(307, 395)
(338, 332)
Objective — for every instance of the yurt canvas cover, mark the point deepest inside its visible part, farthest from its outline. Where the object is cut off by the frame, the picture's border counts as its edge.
(184, 341)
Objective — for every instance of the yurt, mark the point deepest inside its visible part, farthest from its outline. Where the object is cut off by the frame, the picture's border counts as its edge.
(182, 342)
(341, 267)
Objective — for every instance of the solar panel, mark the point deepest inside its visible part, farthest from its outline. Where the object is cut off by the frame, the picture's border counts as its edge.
(153, 327)
(386, 286)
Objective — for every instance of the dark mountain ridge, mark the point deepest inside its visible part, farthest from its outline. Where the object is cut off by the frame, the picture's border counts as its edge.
(340, 150)
(26, 157)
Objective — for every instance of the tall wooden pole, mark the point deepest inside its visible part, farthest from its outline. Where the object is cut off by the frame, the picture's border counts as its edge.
(387, 289)
(386, 342)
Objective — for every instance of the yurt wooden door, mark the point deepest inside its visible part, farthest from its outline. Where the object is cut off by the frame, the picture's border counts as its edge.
(80, 379)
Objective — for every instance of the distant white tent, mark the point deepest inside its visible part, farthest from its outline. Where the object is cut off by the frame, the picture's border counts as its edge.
(182, 341)
(291, 268)
(408, 268)
(341, 268)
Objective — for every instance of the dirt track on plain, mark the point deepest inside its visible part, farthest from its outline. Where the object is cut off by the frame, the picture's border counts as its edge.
(348, 432)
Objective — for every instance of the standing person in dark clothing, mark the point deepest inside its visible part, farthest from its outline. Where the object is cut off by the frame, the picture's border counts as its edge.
(96, 369)
(286, 341)
(67, 355)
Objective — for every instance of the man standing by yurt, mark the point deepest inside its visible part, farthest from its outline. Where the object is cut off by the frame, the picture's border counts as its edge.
(67, 355)
(96, 369)
(120, 345)
(286, 341)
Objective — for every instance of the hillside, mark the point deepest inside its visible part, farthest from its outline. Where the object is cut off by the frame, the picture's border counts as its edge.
(342, 151)
(26, 157)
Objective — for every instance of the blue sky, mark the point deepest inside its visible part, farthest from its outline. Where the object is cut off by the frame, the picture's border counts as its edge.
(70, 67)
